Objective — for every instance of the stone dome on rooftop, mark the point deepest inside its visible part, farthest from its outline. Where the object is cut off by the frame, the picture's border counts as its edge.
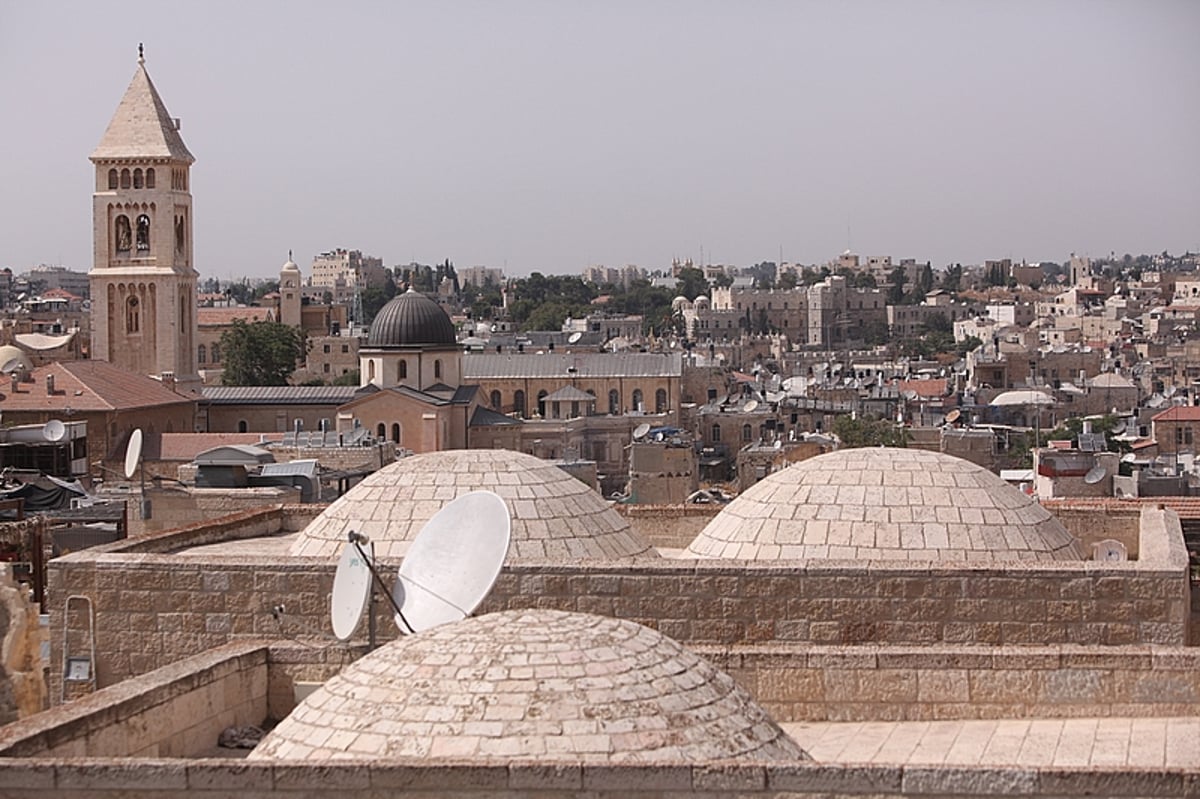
(885, 504)
(411, 320)
(554, 515)
(531, 684)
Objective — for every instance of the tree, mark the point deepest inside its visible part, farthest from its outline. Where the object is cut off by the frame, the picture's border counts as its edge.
(896, 280)
(260, 353)
(350, 378)
(691, 282)
(952, 279)
(869, 431)
(926, 279)
(787, 281)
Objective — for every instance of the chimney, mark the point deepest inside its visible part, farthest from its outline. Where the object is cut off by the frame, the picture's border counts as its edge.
(168, 380)
(16, 382)
(49, 385)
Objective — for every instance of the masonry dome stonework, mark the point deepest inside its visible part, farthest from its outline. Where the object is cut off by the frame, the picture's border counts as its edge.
(531, 683)
(885, 504)
(408, 320)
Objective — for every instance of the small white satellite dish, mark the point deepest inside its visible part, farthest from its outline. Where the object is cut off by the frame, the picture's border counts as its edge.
(133, 452)
(909, 394)
(954, 416)
(351, 589)
(11, 365)
(54, 430)
(453, 562)
(778, 444)
(750, 406)
(1095, 475)
(574, 337)
(640, 431)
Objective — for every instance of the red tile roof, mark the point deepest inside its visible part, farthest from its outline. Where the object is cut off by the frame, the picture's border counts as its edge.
(934, 387)
(1180, 413)
(88, 386)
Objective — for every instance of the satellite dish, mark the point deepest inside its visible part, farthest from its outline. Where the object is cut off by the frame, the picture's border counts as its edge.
(11, 365)
(752, 405)
(909, 394)
(1095, 475)
(453, 562)
(351, 589)
(954, 416)
(640, 430)
(133, 452)
(574, 337)
(54, 430)
(778, 444)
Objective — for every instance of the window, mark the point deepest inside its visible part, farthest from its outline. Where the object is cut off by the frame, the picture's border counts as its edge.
(660, 401)
(496, 400)
(541, 403)
(137, 179)
(202, 354)
(716, 433)
(150, 178)
(124, 234)
(216, 353)
(396, 432)
(326, 349)
(519, 403)
(133, 316)
(402, 373)
(614, 402)
(125, 180)
(381, 431)
(112, 178)
(637, 399)
(370, 371)
(143, 233)
(345, 348)
(242, 426)
(747, 433)
(437, 370)
(326, 368)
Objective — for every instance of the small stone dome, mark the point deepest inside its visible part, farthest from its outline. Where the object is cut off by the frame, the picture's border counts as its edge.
(289, 266)
(531, 684)
(553, 514)
(411, 319)
(885, 504)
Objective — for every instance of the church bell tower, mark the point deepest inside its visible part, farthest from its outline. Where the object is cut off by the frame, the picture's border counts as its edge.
(143, 282)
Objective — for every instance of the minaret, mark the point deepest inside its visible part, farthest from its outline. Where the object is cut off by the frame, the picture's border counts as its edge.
(290, 281)
(143, 282)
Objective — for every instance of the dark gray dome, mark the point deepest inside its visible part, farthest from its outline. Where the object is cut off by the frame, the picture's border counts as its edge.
(411, 319)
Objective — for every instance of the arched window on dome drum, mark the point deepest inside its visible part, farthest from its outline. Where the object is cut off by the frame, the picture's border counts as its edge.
(150, 178)
(637, 399)
(125, 179)
(541, 403)
(370, 371)
(660, 401)
(143, 233)
(124, 234)
(381, 432)
(716, 433)
(496, 401)
(437, 370)
(138, 181)
(519, 403)
(614, 402)
(402, 370)
(747, 432)
(395, 432)
(112, 178)
(202, 355)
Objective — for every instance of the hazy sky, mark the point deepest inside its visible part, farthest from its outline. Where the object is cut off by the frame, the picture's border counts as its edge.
(552, 135)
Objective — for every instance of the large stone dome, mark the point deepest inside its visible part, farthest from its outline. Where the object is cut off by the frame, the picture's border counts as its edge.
(409, 320)
(885, 504)
(553, 514)
(531, 684)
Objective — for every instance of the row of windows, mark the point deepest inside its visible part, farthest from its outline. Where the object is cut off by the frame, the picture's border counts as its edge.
(131, 180)
(614, 402)
(747, 433)
(401, 369)
(124, 234)
(202, 354)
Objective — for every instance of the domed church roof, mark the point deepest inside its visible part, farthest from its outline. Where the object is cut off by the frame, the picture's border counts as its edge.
(411, 319)
(885, 504)
(531, 684)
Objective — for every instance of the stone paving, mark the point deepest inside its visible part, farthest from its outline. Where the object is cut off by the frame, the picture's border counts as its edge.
(1130, 742)
(554, 515)
(533, 683)
(885, 504)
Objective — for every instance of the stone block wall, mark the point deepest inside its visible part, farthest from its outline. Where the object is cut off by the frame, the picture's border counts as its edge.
(177, 711)
(667, 526)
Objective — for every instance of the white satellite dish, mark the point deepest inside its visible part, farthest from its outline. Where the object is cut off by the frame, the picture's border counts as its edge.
(954, 416)
(453, 562)
(11, 365)
(1095, 475)
(351, 589)
(640, 430)
(54, 430)
(778, 444)
(909, 394)
(752, 405)
(133, 452)
(574, 337)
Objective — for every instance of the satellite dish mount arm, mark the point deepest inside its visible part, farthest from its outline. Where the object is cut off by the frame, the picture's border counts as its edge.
(358, 540)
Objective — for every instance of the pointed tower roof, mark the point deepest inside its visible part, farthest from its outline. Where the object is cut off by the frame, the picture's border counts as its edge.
(141, 127)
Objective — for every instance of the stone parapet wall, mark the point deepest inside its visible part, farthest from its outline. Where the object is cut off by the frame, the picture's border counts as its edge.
(874, 683)
(220, 779)
(1093, 524)
(176, 711)
(153, 609)
(668, 526)
(173, 508)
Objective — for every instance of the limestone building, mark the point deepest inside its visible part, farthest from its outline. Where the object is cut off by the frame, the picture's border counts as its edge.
(143, 280)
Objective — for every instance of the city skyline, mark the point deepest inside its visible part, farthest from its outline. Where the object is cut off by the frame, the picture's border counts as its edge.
(538, 137)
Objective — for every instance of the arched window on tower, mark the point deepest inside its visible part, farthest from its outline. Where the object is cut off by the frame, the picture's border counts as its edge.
(133, 315)
(437, 370)
(496, 400)
(519, 403)
(150, 178)
(112, 178)
(124, 234)
(137, 179)
(125, 182)
(614, 402)
(402, 370)
(202, 355)
(143, 233)
(660, 401)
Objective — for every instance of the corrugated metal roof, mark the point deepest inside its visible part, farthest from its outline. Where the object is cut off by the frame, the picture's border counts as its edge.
(483, 366)
(278, 395)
